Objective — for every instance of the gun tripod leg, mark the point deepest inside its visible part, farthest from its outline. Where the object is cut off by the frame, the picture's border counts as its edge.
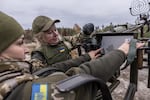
(148, 65)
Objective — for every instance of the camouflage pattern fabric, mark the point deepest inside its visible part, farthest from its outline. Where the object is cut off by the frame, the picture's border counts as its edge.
(12, 74)
(37, 64)
(73, 39)
(56, 95)
(53, 93)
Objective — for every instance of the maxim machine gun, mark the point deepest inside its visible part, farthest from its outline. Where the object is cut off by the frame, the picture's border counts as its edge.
(112, 40)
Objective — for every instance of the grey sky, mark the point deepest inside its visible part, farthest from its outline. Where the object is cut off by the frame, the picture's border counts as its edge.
(69, 11)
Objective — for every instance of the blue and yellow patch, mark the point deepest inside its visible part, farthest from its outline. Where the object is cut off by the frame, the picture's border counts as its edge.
(62, 49)
(39, 91)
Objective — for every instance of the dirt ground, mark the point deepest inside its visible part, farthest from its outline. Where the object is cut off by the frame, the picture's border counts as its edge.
(143, 92)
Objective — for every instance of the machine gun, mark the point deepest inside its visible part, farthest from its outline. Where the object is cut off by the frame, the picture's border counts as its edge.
(109, 41)
(140, 8)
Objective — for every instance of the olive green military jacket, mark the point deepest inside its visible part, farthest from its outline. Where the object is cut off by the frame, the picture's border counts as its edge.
(54, 54)
(103, 67)
(38, 62)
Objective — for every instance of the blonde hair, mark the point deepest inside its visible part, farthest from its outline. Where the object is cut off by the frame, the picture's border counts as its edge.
(39, 37)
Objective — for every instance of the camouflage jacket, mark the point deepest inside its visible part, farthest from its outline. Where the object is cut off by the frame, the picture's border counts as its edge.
(13, 73)
(25, 89)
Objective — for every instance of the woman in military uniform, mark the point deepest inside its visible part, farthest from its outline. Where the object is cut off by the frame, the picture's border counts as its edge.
(52, 47)
(18, 83)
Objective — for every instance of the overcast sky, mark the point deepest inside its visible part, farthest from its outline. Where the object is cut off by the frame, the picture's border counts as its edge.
(69, 12)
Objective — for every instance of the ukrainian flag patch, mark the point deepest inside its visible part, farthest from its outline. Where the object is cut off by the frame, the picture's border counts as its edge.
(62, 49)
(39, 91)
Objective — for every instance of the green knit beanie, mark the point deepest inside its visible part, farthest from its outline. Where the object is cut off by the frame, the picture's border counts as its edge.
(10, 31)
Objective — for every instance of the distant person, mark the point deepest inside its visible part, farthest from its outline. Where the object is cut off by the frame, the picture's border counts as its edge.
(88, 39)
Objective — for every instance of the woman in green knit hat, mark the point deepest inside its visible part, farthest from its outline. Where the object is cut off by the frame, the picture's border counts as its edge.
(11, 32)
(13, 69)
(17, 82)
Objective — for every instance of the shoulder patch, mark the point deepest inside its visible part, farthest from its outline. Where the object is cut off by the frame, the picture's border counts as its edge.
(61, 49)
(39, 91)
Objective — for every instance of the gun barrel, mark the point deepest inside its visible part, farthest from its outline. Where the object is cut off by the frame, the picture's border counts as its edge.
(134, 28)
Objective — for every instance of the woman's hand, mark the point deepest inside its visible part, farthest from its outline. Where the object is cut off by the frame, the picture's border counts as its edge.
(95, 53)
(125, 46)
